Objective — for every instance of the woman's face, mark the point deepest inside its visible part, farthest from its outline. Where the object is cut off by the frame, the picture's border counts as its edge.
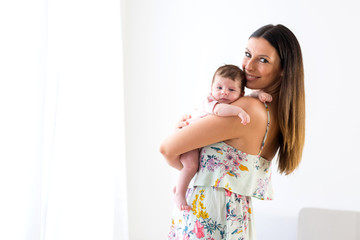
(261, 64)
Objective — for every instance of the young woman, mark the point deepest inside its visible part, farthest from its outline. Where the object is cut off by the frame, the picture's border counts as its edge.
(235, 160)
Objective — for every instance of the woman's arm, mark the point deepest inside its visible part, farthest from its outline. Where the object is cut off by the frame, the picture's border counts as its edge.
(203, 132)
(209, 130)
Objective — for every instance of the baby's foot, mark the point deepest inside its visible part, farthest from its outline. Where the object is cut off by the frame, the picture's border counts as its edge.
(181, 203)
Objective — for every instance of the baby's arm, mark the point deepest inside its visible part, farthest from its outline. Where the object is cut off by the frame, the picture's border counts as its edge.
(226, 110)
(261, 95)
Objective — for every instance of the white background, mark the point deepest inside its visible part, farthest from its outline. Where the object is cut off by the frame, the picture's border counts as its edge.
(172, 49)
(62, 153)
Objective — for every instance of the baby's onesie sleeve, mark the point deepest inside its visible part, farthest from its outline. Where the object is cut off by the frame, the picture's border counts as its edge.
(205, 109)
(209, 104)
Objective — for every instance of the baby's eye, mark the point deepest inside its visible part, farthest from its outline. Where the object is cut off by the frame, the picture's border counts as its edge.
(263, 60)
(219, 88)
(231, 90)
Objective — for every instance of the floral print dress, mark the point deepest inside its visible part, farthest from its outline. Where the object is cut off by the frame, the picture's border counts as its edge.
(220, 195)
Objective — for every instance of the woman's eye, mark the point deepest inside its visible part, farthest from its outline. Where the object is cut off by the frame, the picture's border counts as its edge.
(247, 54)
(263, 60)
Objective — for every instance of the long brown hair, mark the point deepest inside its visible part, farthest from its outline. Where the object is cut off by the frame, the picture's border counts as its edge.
(291, 95)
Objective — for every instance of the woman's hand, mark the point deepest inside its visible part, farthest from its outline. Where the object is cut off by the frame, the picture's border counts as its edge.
(183, 122)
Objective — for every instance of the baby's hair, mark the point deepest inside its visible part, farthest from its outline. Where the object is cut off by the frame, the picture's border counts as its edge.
(232, 72)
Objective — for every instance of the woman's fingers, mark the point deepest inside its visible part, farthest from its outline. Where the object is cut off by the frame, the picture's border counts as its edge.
(185, 117)
(183, 121)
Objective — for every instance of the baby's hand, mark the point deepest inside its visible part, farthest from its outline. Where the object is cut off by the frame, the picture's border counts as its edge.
(264, 97)
(245, 118)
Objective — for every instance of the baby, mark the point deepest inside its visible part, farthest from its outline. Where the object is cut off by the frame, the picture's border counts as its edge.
(227, 86)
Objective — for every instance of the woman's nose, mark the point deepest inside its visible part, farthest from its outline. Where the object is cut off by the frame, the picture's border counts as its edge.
(249, 64)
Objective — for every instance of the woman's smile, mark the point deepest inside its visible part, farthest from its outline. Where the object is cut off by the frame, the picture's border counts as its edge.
(250, 77)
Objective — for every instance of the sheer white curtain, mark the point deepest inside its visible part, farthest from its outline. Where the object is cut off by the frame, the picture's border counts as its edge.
(62, 157)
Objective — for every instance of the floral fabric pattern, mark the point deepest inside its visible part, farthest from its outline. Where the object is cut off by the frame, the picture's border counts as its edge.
(234, 223)
(222, 165)
(220, 195)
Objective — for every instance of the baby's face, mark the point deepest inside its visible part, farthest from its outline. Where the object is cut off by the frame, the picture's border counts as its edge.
(225, 90)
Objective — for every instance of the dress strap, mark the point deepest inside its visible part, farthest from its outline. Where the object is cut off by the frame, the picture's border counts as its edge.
(267, 128)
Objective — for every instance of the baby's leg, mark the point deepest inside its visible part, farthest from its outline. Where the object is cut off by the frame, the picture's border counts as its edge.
(190, 161)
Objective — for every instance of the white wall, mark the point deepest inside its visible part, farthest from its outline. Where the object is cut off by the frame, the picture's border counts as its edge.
(172, 49)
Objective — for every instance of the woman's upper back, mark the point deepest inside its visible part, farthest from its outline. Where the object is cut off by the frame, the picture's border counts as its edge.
(251, 136)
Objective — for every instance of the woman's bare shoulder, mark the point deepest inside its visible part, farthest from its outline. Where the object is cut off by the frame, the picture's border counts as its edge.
(249, 137)
(253, 106)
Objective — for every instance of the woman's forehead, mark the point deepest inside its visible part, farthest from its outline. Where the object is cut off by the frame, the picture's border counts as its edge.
(260, 46)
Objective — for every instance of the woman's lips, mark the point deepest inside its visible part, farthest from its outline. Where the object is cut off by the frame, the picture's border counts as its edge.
(250, 77)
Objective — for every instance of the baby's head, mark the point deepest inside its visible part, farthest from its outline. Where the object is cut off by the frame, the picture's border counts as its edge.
(228, 84)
